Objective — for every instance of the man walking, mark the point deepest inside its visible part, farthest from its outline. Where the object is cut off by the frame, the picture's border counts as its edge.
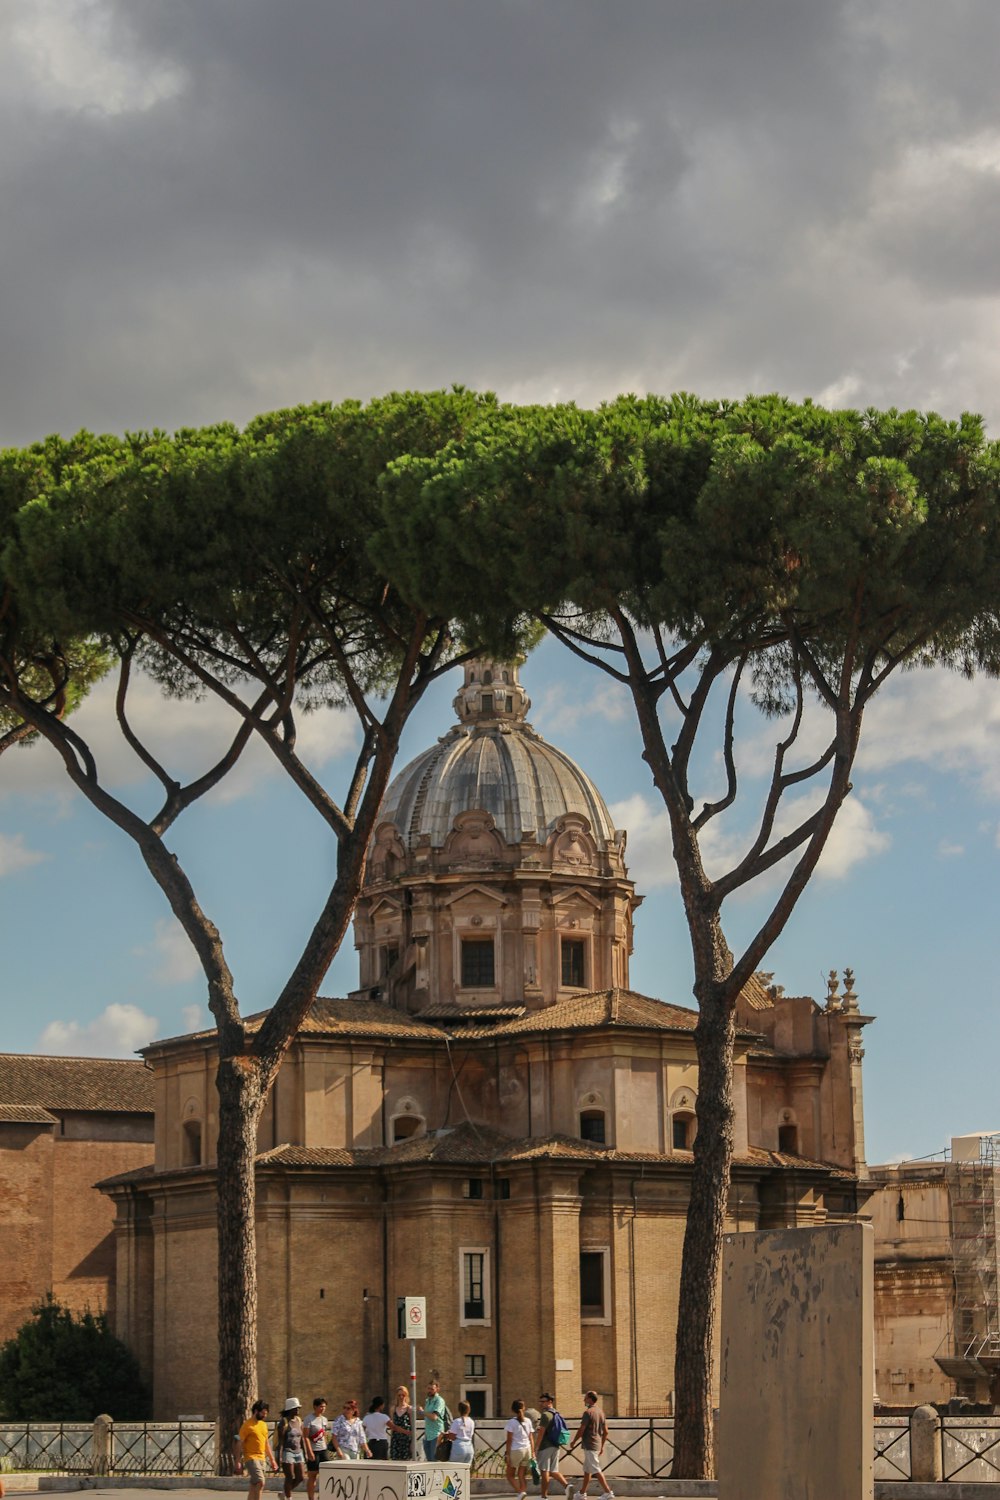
(433, 1412)
(549, 1444)
(593, 1434)
(255, 1445)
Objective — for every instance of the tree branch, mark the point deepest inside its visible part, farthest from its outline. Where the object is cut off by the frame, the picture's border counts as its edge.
(712, 809)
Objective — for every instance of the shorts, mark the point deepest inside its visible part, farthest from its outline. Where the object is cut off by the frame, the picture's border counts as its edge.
(254, 1469)
(591, 1461)
(292, 1456)
(519, 1457)
(320, 1456)
(548, 1458)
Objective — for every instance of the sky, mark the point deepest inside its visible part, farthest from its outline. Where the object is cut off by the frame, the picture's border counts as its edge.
(215, 208)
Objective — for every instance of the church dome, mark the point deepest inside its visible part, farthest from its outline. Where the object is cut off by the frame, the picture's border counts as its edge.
(494, 761)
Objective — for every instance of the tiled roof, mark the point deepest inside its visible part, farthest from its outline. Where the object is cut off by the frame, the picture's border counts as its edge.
(443, 1011)
(756, 993)
(758, 1157)
(467, 1144)
(105, 1085)
(592, 1011)
(121, 1179)
(308, 1156)
(335, 1018)
(25, 1114)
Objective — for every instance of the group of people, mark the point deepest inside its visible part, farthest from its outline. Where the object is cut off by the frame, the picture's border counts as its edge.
(302, 1444)
(546, 1442)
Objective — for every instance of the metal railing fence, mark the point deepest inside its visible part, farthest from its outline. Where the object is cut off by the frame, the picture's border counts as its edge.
(638, 1448)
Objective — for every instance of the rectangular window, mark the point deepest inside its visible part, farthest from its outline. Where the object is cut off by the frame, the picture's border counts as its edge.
(573, 963)
(475, 1366)
(390, 957)
(478, 968)
(473, 1187)
(474, 1285)
(480, 1399)
(595, 1286)
(475, 1305)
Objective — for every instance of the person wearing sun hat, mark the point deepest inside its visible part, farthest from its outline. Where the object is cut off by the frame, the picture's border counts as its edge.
(295, 1447)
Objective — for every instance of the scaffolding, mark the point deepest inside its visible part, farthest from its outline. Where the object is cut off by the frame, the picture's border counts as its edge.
(975, 1164)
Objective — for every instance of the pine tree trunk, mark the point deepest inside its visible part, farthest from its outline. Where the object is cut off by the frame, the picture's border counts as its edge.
(697, 1310)
(240, 1103)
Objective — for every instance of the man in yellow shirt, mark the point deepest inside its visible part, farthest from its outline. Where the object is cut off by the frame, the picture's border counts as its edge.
(256, 1445)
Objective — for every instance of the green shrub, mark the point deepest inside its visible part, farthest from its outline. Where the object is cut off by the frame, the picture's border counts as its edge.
(63, 1367)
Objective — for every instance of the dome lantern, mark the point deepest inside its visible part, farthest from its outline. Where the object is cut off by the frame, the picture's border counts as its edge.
(491, 693)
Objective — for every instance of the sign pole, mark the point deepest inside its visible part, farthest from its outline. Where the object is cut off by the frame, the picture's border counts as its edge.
(413, 1400)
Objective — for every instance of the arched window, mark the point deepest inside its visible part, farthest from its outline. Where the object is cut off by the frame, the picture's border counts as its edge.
(593, 1126)
(682, 1128)
(788, 1138)
(405, 1126)
(487, 676)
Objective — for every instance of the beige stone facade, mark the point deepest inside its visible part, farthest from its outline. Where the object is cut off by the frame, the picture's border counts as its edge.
(65, 1123)
(493, 1120)
(937, 1308)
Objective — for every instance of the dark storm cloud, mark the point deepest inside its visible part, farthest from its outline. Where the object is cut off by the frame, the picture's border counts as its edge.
(215, 207)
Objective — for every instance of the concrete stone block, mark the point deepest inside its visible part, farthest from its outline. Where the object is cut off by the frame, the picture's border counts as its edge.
(796, 1420)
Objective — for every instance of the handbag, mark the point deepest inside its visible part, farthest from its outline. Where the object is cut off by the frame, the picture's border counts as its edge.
(443, 1449)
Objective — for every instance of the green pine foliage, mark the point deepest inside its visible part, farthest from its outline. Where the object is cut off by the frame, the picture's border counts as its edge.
(64, 1367)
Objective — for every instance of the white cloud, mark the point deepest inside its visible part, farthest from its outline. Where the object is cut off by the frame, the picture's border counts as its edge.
(948, 850)
(193, 1017)
(175, 961)
(934, 717)
(70, 56)
(14, 856)
(853, 839)
(187, 736)
(117, 1032)
(557, 712)
(648, 853)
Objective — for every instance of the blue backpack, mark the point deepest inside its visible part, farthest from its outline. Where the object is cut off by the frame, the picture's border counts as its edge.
(557, 1433)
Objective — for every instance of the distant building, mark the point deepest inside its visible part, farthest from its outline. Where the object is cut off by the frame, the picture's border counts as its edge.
(65, 1122)
(937, 1320)
(494, 1119)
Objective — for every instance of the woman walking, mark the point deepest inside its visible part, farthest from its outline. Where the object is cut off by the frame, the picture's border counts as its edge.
(401, 1426)
(462, 1431)
(376, 1425)
(519, 1430)
(294, 1447)
(350, 1433)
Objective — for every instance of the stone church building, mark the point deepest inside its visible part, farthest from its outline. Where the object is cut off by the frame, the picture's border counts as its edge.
(494, 1119)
